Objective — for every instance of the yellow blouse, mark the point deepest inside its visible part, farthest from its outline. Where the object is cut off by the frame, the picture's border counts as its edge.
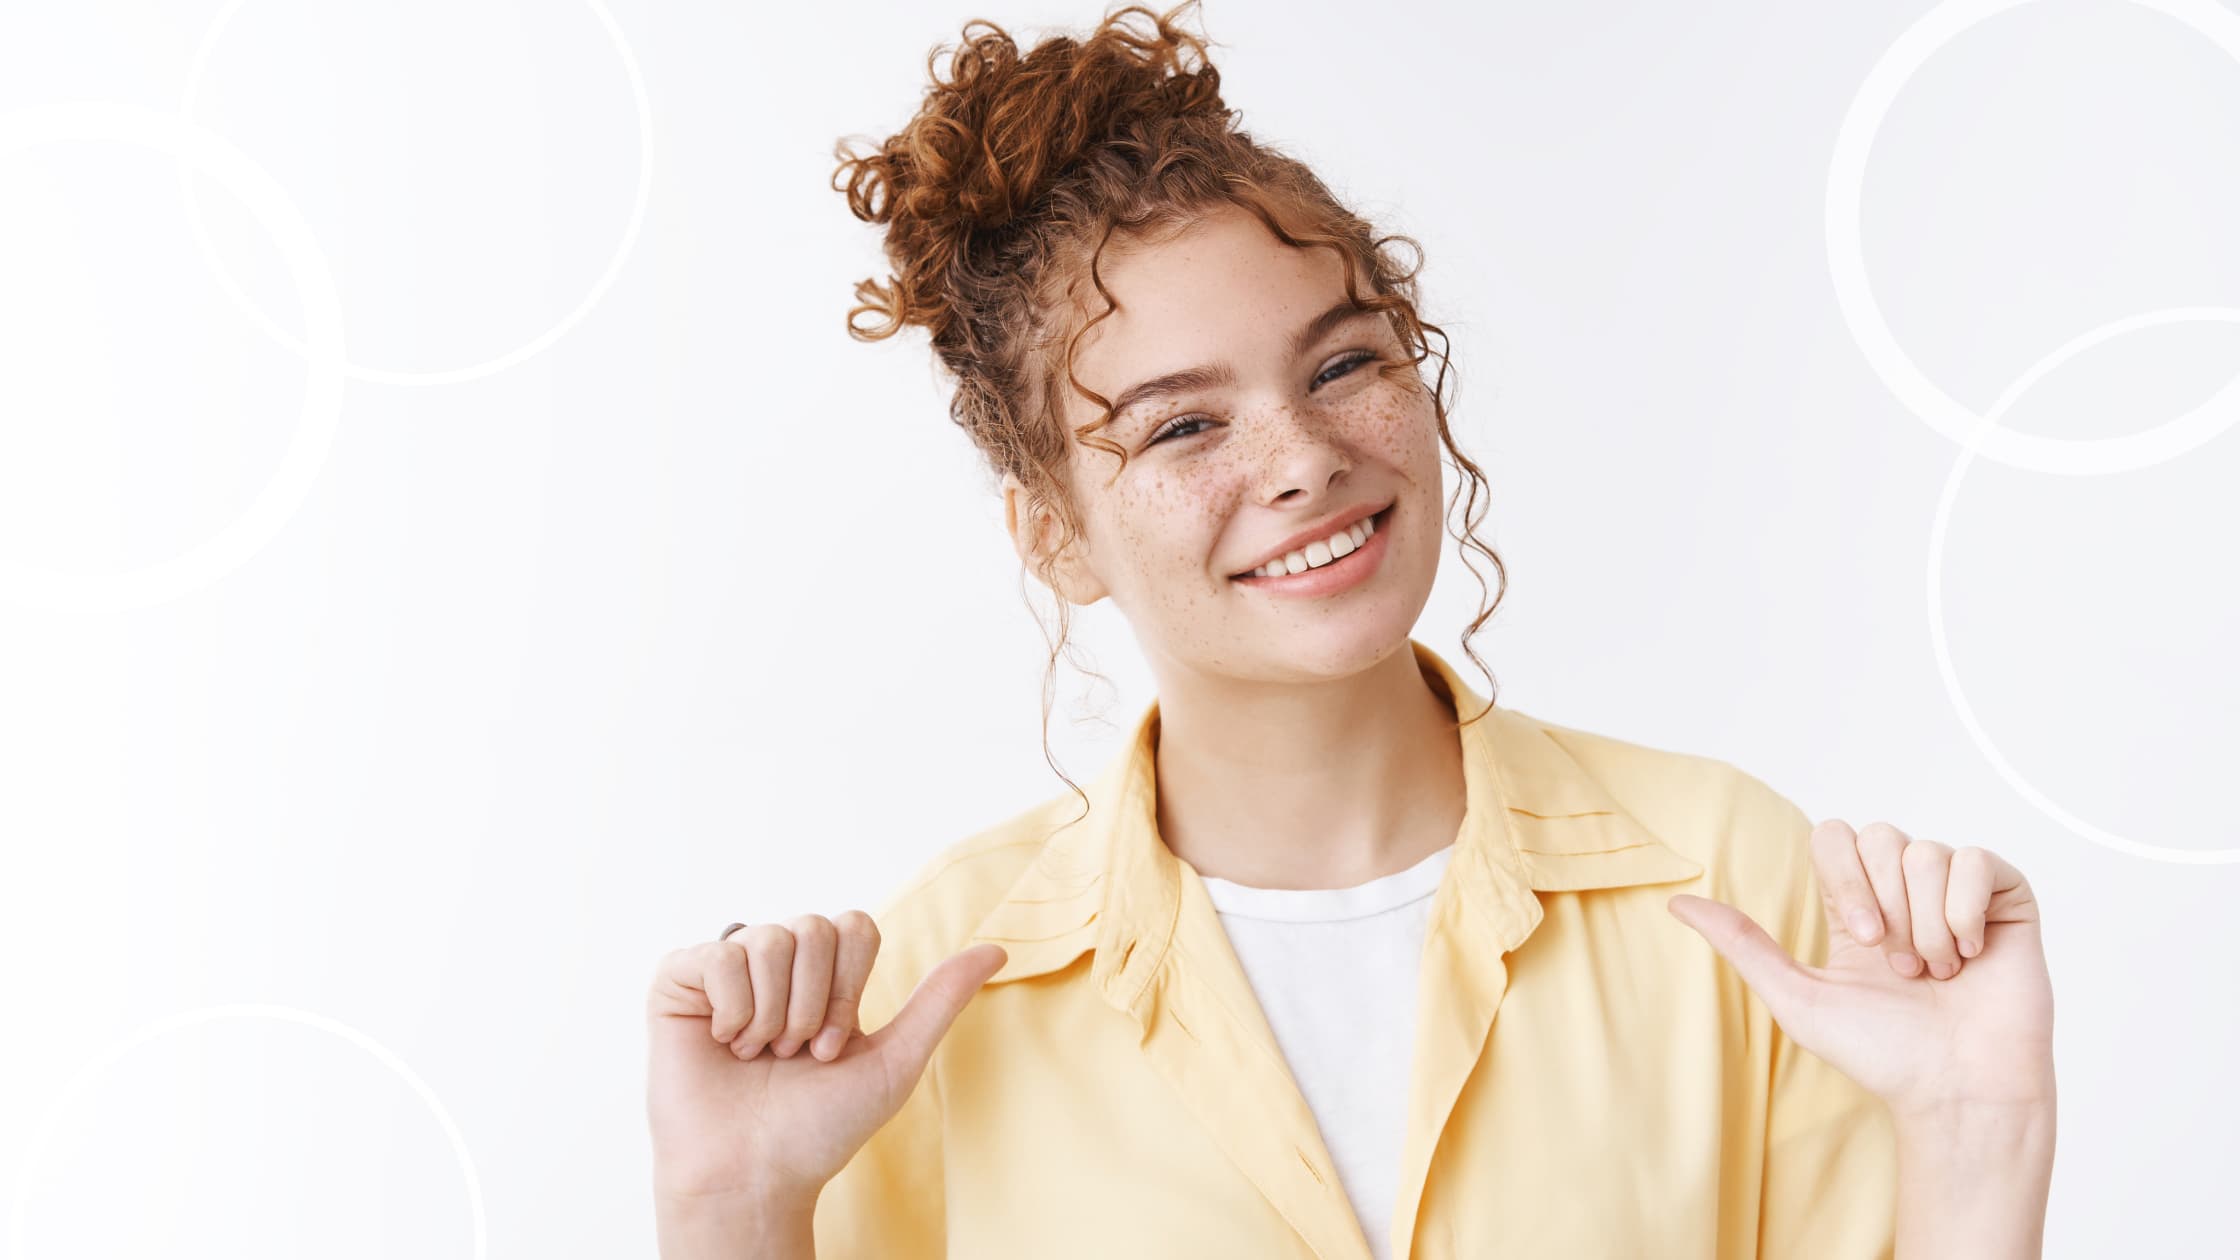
(1115, 1091)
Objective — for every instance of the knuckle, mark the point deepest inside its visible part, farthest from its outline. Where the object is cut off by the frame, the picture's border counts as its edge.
(717, 958)
(1881, 835)
(770, 940)
(1835, 860)
(1923, 857)
(1833, 830)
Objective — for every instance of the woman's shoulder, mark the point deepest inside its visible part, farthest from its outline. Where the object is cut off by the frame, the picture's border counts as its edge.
(1752, 841)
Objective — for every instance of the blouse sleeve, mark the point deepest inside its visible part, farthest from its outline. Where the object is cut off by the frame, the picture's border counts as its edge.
(1830, 1182)
(886, 1203)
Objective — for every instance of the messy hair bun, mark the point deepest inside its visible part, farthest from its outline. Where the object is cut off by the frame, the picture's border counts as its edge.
(996, 136)
(1000, 195)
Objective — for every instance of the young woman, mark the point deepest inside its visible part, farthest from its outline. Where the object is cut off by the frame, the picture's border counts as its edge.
(1337, 958)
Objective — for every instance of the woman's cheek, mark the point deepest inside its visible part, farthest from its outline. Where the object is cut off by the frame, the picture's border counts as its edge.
(1192, 492)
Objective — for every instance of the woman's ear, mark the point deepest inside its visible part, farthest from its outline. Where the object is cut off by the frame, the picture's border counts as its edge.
(1032, 526)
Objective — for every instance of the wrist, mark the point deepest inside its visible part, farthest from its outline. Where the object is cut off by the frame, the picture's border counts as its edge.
(2023, 1112)
(1974, 1176)
(1975, 1143)
(729, 1224)
(737, 1202)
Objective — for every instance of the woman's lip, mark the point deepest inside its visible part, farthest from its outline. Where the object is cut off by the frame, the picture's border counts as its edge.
(1378, 516)
(1334, 576)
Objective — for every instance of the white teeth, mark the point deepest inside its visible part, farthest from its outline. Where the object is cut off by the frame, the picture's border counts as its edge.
(1316, 554)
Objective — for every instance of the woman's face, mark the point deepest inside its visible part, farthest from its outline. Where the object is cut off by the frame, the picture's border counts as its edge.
(1271, 440)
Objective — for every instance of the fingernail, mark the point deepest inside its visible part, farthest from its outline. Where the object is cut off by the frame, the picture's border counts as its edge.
(1969, 949)
(828, 1043)
(785, 1049)
(1905, 964)
(1944, 971)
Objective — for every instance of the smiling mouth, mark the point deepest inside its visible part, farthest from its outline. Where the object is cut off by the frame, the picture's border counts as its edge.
(1378, 521)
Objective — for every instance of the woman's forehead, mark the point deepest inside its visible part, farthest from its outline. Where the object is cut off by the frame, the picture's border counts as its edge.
(1224, 291)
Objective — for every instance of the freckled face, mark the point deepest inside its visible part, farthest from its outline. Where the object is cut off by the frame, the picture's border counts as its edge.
(1218, 475)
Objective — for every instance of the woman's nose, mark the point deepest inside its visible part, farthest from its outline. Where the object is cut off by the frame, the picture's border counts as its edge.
(1301, 457)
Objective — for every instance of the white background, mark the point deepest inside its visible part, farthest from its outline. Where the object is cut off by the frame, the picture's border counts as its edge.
(703, 611)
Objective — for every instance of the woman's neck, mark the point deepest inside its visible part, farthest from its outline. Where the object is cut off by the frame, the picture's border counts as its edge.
(1308, 786)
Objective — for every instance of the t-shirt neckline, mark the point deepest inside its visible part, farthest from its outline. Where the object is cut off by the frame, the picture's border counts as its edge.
(1321, 905)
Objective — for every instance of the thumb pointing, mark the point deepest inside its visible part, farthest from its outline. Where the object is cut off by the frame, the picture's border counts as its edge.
(1763, 965)
(925, 1018)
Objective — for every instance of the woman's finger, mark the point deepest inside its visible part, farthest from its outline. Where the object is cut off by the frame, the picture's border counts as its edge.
(723, 974)
(1967, 896)
(1927, 865)
(851, 970)
(676, 990)
(1843, 880)
(814, 942)
(770, 967)
(2011, 898)
(1882, 851)
(1784, 984)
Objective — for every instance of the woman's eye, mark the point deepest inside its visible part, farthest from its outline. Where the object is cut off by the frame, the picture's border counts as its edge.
(1345, 366)
(1182, 427)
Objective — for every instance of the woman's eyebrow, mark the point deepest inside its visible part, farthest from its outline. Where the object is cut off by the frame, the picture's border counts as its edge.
(1211, 375)
(1314, 329)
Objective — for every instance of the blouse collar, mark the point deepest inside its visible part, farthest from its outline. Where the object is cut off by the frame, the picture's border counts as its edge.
(1535, 820)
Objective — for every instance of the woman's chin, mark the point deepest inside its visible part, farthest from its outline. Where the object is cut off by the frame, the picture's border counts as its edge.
(1335, 642)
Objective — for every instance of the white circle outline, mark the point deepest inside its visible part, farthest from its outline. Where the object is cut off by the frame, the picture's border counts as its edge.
(1855, 295)
(2229, 395)
(248, 1010)
(450, 376)
(224, 551)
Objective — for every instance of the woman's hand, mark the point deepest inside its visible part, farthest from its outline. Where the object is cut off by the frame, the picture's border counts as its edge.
(737, 1112)
(1935, 996)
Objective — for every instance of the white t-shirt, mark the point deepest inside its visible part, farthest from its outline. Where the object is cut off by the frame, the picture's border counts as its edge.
(1335, 970)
